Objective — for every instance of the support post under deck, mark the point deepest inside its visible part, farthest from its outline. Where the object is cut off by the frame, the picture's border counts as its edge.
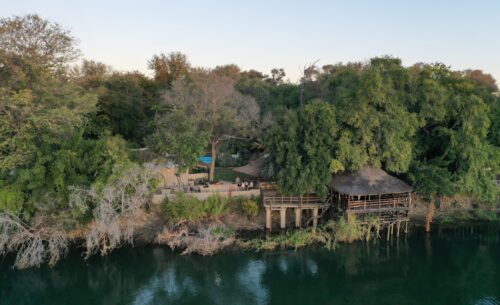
(315, 217)
(268, 218)
(283, 218)
(298, 217)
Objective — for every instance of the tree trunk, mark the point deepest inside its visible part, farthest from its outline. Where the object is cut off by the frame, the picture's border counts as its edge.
(431, 210)
(211, 174)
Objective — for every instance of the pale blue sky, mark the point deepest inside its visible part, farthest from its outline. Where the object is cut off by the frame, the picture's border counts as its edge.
(283, 34)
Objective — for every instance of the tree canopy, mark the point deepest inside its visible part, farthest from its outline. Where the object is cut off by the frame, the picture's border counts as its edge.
(38, 40)
(434, 126)
(212, 105)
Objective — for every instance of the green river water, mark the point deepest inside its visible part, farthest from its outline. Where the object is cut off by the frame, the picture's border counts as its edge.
(453, 267)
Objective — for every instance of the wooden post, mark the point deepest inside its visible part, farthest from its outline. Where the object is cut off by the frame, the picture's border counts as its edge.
(283, 218)
(315, 217)
(298, 217)
(268, 218)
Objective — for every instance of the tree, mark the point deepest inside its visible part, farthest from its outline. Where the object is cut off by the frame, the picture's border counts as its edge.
(126, 105)
(38, 40)
(42, 148)
(302, 146)
(495, 123)
(176, 134)
(273, 97)
(277, 75)
(453, 155)
(168, 68)
(232, 71)
(214, 107)
(376, 125)
(51, 108)
(91, 74)
(482, 79)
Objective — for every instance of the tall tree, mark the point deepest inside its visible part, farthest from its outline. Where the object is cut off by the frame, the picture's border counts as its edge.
(453, 155)
(176, 134)
(38, 40)
(302, 146)
(168, 68)
(214, 106)
(376, 125)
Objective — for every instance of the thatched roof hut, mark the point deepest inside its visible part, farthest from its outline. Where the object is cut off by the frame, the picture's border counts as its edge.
(254, 168)
(368, 181)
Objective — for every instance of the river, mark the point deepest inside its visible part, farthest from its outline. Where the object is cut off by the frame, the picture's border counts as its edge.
(453, 267)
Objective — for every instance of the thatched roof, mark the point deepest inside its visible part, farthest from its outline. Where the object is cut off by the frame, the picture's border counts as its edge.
(253, 168)
(368, 181)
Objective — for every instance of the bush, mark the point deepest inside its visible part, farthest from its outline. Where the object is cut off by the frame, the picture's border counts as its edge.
(250, 208)
(216, 205)
(184, 207)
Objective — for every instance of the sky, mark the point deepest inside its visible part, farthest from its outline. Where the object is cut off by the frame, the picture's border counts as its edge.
(270, 34)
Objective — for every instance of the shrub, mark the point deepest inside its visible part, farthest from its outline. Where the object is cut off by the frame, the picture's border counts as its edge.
(250, 208)
(185, 207)
(182, 207)
(216, 205)
(348, 230)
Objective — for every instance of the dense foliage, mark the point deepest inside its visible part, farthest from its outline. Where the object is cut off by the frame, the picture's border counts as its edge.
(435, 126)
(44, 118)
(63, 127)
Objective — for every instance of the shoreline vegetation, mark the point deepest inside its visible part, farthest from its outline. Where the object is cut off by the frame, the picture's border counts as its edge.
(191, 226)
(84, 147)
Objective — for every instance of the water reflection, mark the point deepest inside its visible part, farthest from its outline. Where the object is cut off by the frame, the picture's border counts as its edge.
(458, 270)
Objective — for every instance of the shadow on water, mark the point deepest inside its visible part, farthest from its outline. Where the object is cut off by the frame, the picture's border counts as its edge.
(451, 266)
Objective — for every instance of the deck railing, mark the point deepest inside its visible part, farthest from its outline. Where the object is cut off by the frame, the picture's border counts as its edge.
(290, 200)
(379, 205)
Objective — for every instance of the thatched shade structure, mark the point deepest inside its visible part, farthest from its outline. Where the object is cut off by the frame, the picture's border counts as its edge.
(370, 190)
(368, 181)
(253, 168)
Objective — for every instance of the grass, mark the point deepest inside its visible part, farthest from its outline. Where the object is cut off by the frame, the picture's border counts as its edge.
(227, 174)
(184, 207)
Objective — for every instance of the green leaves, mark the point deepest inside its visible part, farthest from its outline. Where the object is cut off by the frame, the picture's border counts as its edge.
(176, 134)
(453, 155)
(438, 127)
(302, 145)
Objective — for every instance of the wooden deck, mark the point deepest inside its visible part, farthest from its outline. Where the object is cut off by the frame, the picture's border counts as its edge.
(274, 201)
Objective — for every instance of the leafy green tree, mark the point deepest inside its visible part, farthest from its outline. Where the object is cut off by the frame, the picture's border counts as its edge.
(214, 107)
(42, 150)
(453, 155)
(38, 40)
(126, 104)
(273, 96)
(302, 149)
(176, 134)
(375, 124)
(495, 123)
(35, 111)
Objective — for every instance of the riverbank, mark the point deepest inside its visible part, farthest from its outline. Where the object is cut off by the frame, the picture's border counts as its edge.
(205, 228)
